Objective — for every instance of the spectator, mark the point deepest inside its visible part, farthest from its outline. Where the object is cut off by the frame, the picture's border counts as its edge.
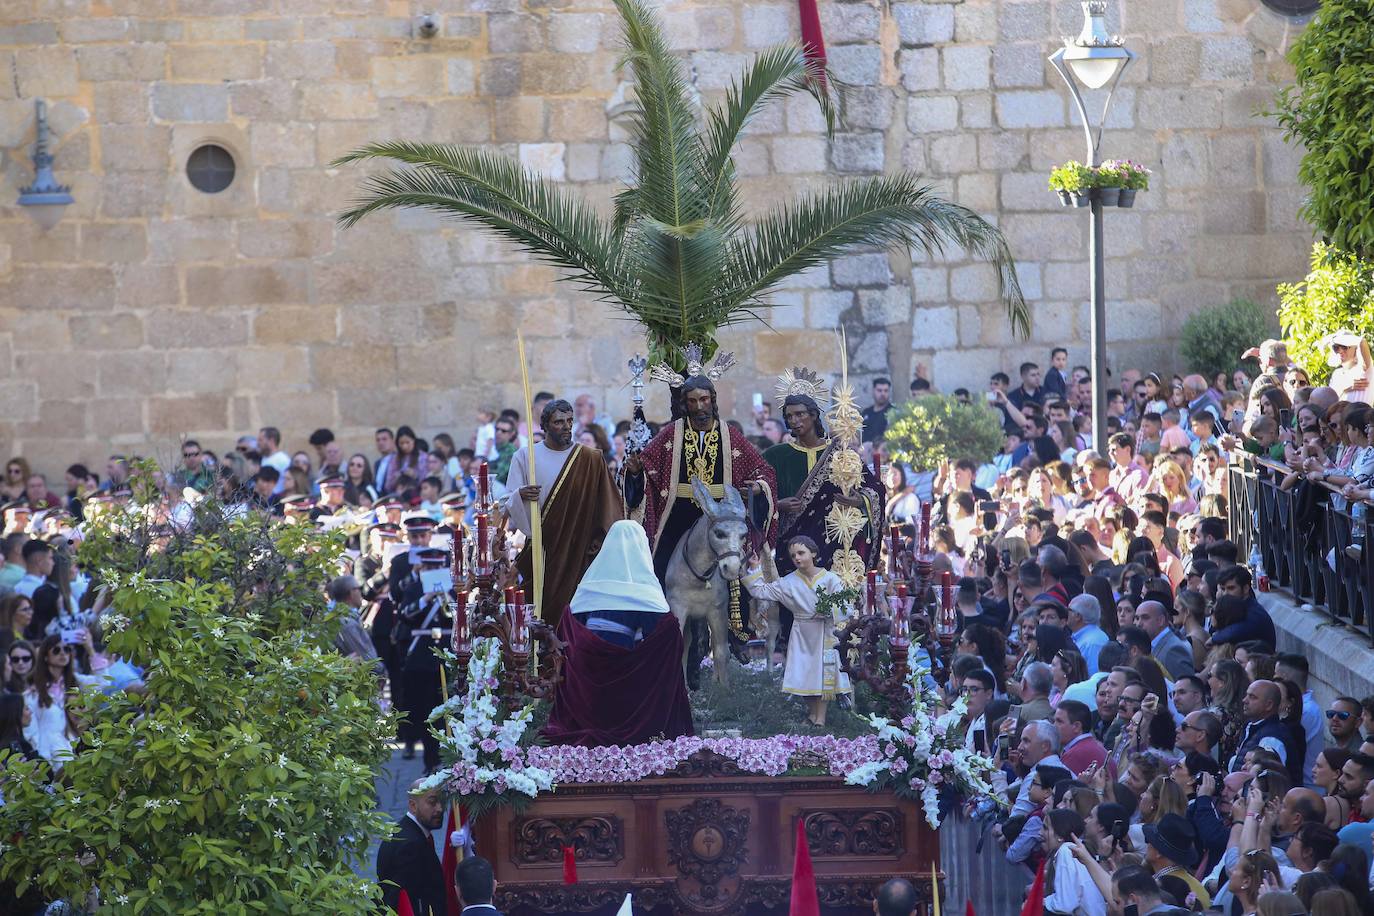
(896, 898)
(876, 415)
(1167, 647)
(1073, 722)
(1029, 391)
(1236, 582)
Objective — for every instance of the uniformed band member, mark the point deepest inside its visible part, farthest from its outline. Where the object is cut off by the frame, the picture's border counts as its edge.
(421, 615)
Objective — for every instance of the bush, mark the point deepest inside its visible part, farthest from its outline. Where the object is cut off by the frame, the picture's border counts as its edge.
(928, 431)
(1338, 294)
(243, 781)
(1327, 111)
(1212, 340)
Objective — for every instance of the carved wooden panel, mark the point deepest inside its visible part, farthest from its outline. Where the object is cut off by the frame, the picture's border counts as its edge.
(707, 844)
(854, 832)
(540, 840)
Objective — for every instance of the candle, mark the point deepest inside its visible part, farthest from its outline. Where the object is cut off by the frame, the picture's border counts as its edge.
(946, 589)
(520, 597)
(872, 590)
(460, 623)
(901, 589)
(482, 544)
(510, 595)
(458, 547)
(923, 542)
(482, 483)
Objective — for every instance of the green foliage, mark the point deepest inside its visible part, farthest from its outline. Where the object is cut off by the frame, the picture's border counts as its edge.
(1213, 338)
(928, 431)
(1337, 294)
(833, 603)
(1072, 176)
(1329, 110)
(755, 705)
(679, 256)
(242, 782)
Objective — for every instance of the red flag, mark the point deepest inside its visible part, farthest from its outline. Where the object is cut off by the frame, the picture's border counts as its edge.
(813, 42)
(1035, 900)
(805, 901)
(403, 905)
(450, 861)
(569, 865)
(968, 908)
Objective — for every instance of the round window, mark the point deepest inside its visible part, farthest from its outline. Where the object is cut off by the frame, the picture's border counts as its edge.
(210, 168)
(1293, 7)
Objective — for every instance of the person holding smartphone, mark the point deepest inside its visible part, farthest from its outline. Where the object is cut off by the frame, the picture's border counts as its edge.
(1069, 885)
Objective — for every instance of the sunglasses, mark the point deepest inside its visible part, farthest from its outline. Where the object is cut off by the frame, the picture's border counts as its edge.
(59, 650)
(1338, 714)
(190, 454)
(21, 659)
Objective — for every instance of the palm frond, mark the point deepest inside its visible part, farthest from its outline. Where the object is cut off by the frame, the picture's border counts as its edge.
(499, 194)
(772, 76)
(881, 212)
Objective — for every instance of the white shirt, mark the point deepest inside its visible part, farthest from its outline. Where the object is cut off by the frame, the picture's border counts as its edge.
(28, 585)
(1074, 890)
(280, 461)
(548, 464)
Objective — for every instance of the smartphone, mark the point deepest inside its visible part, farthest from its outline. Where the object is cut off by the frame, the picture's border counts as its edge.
(1285, 418)
(992, 397)
(758, 400)
(988, 505)
(1015, 712)
(1237, 420)
(980, 741)
(1004, 557)
(71, 637)
(1131, 909)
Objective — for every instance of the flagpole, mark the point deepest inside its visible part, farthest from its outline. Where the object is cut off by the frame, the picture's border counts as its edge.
(536, 529)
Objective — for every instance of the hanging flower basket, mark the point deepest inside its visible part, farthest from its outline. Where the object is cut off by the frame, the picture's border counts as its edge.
(1072, 180)
(1115, 183)
(1129, 176)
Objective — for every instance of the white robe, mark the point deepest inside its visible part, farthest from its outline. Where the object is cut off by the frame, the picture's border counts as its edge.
(548, 464)
(811, 647)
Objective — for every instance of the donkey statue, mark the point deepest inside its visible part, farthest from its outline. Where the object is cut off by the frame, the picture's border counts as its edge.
(703, 564)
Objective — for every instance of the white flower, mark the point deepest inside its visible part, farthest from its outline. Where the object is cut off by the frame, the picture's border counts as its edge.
(217, 632)
(243, 810)
(272, 801)
(279, 833)
(122, 899)
(282, 761)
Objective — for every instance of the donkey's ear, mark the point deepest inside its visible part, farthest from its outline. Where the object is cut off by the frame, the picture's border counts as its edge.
(733, 499)
(705, 501)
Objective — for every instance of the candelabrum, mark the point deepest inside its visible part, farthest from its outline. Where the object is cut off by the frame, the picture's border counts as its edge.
(638, 436)
(489, 605)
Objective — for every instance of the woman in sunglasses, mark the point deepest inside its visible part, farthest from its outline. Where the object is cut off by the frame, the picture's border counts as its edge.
(53, 729)
(1353, 377)
(16, 613)
(16, 477)
(19, 665)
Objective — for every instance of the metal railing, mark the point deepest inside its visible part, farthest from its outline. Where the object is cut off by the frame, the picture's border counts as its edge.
(1302, 535)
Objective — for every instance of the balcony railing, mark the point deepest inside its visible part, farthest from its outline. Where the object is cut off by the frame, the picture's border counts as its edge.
(1302, 538)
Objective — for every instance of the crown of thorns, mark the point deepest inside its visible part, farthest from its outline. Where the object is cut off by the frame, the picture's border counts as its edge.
(662, 372)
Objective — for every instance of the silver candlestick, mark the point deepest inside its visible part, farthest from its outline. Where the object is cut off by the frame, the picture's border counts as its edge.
(638, 436)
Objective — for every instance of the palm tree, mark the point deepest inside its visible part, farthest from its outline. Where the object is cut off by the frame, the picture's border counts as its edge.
(679, 256)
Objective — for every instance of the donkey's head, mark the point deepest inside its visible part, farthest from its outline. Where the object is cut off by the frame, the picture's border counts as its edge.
(727, 528)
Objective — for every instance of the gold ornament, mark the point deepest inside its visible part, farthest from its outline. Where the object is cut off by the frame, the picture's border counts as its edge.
(800, 380)
(662, 372)
(849, 566)
(843, 524)
(846, 422)
(846, 470)
(701, 465)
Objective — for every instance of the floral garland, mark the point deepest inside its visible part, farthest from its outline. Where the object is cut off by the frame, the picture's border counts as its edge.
(924, 752)
(484, 762)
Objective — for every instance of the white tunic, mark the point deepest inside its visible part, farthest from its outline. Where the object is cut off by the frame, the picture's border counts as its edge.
(812, 661)
(548, 464)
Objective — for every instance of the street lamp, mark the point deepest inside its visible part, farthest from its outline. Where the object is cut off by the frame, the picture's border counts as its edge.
(45, 198)
(1095, 59)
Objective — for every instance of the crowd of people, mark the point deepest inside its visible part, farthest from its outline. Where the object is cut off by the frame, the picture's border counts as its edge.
(1112, 652)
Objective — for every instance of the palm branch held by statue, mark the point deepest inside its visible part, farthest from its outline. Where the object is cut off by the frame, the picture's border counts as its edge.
(679, 255)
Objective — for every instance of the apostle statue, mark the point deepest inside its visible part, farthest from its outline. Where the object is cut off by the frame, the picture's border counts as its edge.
(696, 445)
(578, 503)
(806, 492)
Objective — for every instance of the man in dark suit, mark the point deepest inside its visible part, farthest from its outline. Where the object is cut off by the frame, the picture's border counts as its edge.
(407, 860)
(476, 886)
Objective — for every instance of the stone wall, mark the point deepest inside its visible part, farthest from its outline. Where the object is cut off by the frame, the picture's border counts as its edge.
(153, 310)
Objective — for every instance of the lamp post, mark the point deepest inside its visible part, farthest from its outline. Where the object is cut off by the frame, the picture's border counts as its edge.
(1095, 59)
(45, 198)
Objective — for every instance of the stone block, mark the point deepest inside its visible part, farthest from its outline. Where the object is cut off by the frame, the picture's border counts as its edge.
(268, 100)
(287, 145)
(1179, 108)
(975, 111)
(767, 26)
(136, 148)
(1024, 21)
(717, 70)
(1235, 161)
(1030, 108)
(973, 283)
(176, 416)
(775, 352)
(951, 155)
(797, 155)
(1030, 275)
(546, 159)
(861, 270)
(358, 366)
(1026, 191)
(301, 59)
(803, 115)
(977, 191)
(857, 152)
(113, 331)
(514, 33)
(47, 289)
(271, 29)
(934, 327)
(930, 284)
(348, 284)
(1134, 319)
(576, 33)
(45, 72)
(29, 33)
(409, 77)
(867, 108)
(852, 22)
(114, 417)
(177, 240)
(966, 368)
(1018, 65)
(123, 375)
(462, 76)
(335, 100)
(113, 243)
(1281, 160)
(213, 62)
(932, 113)
(500, 76)
(870, 353)
(190, 101)
(826, 307)
(858, 65)
(200, 371)
(1001, 151)
(296, 324)
(281, 238)
(974, 22)
(885, 306)
(136, 61)
(920, 24)
(121, 103)
(247, 284)
(272, 369)
(555, 74)
(920, 69)
(1201, 16)
(914, 156)
(173, 328)
(1228, 58)
(1044, 237)
(965, 67)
